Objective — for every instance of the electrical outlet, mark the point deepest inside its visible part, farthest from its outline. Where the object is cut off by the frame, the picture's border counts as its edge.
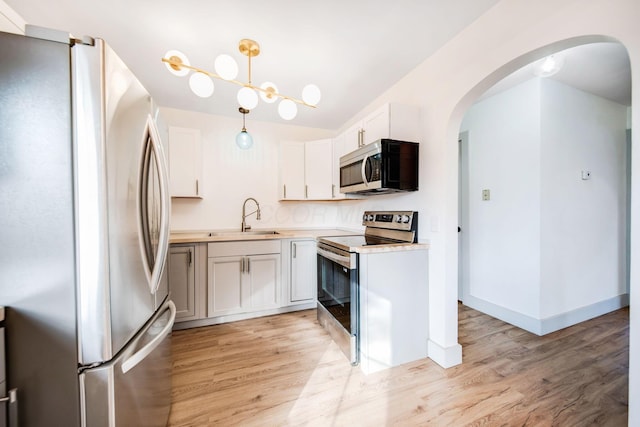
(486, 195)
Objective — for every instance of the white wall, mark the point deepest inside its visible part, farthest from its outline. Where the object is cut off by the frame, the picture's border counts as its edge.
(10, 21)
(583, 221)
(511, 34)
(504, 232)
(231, 175)
(548, 249)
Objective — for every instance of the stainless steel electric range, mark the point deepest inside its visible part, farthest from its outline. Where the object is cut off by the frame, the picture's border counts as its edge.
(340, 278)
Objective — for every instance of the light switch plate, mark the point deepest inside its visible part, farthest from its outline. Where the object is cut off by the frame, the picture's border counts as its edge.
(486, 195)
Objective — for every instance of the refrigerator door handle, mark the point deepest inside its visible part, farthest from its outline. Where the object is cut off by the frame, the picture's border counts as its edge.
(154, 262)
(165, 203)
(141, 354)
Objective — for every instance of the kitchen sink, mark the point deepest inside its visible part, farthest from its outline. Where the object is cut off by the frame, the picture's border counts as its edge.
(243, 233)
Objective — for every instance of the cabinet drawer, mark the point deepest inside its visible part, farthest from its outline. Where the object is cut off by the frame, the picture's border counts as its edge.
(243, 248)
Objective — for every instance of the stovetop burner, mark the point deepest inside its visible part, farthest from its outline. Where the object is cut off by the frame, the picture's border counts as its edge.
(382, 228)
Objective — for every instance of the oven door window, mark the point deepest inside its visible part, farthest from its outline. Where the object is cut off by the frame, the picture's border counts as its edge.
(334, 290)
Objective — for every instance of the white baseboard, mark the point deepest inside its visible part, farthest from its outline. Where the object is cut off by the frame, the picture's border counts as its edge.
(549, 324)
(561, 321)
(444, 356)
(241, 316)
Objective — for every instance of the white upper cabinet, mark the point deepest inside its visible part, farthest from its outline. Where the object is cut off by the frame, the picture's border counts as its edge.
(318, 169)
(339, 149)
(306, 170)
(394, 121)
(185, 162)
(292, 171)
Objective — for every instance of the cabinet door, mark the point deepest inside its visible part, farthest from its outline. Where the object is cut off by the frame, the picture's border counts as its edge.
(182, 281)
(338, 151)
(292, 171)
(376, 125)
(185, 162)
(352, 138)
(303, 278)
(262, 280)
(318, 169)
(226, 294)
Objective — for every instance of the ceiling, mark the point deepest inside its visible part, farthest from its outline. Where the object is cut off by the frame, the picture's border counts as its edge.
(353, 50)
(602, 69)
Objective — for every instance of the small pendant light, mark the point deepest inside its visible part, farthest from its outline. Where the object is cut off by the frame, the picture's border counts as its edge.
(244, 139)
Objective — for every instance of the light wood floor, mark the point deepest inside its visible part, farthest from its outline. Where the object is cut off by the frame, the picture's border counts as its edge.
(285, 370)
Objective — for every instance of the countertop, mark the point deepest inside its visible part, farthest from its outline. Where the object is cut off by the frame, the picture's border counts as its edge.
(393, 247)
(199, 236)
(203, 236)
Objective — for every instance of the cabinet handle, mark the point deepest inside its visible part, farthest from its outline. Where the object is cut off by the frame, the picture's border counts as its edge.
(284, 187)
(362, 137)
(306, 191)
(248, 266)
(294, 250)
(189, 258)
(333, 191)
(242, 266)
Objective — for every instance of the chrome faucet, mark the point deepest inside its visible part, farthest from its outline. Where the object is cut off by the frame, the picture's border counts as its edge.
(244, 226)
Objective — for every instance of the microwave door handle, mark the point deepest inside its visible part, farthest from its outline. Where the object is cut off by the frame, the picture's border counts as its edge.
(364, 175)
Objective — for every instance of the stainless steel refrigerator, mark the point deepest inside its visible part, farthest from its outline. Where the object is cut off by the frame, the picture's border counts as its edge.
(84, 228)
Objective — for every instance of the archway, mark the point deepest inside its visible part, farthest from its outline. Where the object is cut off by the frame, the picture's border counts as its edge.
(452, 159)
(547, 247)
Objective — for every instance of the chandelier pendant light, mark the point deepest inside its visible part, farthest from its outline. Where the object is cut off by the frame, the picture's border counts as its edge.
(244, 140)
(248, 96)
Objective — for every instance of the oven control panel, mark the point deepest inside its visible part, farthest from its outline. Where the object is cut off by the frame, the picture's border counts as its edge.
(393, 220)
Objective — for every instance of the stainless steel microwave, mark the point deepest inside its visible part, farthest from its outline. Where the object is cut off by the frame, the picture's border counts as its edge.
(384, 166)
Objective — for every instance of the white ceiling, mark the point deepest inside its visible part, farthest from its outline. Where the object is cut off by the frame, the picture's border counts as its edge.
(602, 69)
(353, 50)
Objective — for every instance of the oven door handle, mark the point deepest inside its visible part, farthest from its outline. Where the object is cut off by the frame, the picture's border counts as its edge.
(344, 261)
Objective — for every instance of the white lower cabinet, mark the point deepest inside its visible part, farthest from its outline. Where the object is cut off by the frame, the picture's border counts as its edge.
(220, 282)
(185, 283)
(302, 271)
(243, 277)
(225, 285)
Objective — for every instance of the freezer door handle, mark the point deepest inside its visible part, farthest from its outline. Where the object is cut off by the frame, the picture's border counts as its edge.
(12, 405)
(141, 354)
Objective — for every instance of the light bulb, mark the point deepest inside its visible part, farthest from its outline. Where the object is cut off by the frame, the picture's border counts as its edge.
(271, 88)
(247, 98)
(287, 109)
(244, 140)
(177, 56)
(311, 94)
(226, 67)
(548, 66)
(201, 85)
